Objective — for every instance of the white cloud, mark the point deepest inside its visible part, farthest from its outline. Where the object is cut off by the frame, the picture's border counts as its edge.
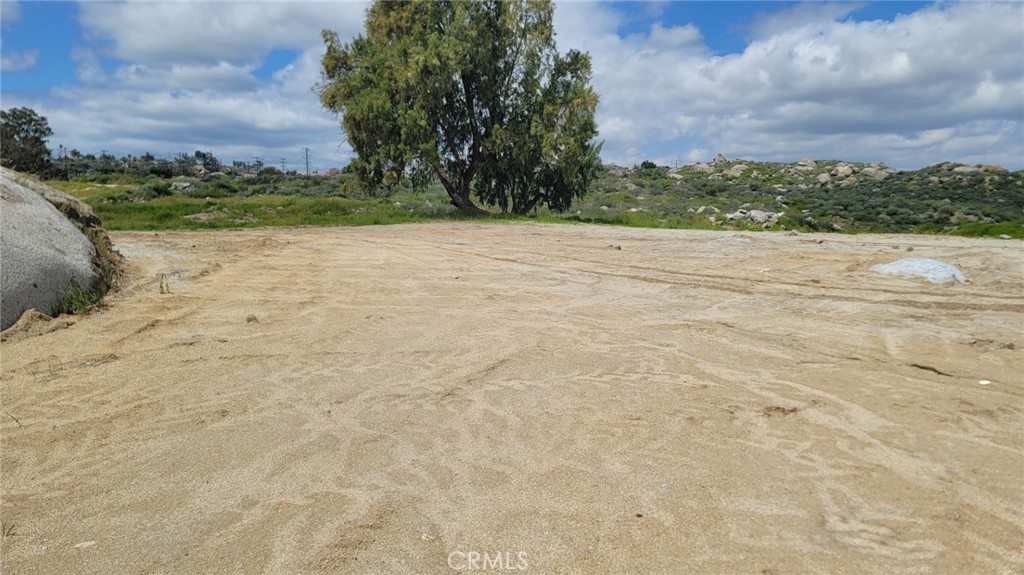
(801, 15)
(190, 33)
(10, 12)
(812, 82)
(19, 61)
(168, 77)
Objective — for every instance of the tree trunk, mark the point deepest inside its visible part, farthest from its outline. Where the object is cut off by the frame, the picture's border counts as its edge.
(526, 208)
(459, 193)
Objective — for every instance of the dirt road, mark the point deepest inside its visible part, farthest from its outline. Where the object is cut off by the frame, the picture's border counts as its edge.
(442, 398)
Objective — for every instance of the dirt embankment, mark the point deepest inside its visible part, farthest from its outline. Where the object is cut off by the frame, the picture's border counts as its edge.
(568, 399)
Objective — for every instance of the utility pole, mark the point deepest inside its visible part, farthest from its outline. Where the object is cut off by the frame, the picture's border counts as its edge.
(282, 166)
(307, 160)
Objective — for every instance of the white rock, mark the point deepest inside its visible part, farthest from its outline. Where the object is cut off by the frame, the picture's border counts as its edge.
(760, 216)
(736, 171)
(934, 271)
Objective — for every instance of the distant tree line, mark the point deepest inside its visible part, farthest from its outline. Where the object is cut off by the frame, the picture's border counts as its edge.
(24, 148)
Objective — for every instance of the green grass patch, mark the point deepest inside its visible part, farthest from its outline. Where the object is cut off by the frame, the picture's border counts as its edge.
(78, 299)
(975, 229)
(184, 213)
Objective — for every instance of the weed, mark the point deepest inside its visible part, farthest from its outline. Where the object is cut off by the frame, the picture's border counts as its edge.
(76, 299)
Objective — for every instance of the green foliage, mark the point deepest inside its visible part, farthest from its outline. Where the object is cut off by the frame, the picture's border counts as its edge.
(23, 135)
(471, 94)
(78, 299)
(936, 199)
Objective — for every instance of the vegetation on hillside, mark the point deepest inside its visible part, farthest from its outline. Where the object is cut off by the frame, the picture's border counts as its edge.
(944, 198)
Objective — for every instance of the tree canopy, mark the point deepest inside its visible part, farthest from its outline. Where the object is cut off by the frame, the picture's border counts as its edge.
(474, 94)
(23, 135)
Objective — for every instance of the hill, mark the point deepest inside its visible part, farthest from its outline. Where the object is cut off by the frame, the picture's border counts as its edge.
(809, 195)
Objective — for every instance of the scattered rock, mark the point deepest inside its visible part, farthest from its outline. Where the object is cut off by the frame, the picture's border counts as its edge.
(1004, 237)
(824, 179)
(719, 159)
(251, 318)
(806, 162)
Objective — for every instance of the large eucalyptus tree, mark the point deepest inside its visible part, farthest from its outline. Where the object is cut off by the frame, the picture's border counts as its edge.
(474, 94)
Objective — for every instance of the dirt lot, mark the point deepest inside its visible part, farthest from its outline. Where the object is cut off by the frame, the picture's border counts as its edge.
(437, 398)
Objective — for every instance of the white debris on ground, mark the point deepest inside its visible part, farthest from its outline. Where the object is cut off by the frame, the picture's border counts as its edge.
(934, 271)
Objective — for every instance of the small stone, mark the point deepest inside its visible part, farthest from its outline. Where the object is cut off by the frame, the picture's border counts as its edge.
(85, 544)
(251, 318)
(1004, 237)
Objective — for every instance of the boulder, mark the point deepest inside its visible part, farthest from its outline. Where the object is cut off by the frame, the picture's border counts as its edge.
(719, 159)
(49, 242)
(876, 173)
(842, 170)
(824, 179)
(806, 162)
(736, 171)
(761, 217)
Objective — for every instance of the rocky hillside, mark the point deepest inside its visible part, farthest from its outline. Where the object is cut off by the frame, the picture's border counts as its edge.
(812, 195)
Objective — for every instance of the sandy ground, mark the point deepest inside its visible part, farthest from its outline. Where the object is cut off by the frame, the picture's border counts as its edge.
(410, 396)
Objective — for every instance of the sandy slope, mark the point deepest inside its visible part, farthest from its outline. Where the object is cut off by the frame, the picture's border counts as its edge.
(689, 403)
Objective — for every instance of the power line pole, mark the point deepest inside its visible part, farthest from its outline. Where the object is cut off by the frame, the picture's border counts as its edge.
(307, 160)
(282, 165)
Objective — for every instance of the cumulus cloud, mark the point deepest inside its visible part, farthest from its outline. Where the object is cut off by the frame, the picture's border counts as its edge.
(170, 77)
(812, 81)
(18, 61)
(10, 12)
(191, 33)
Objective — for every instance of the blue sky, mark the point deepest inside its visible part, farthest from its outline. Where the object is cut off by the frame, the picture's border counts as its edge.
(905, 83)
